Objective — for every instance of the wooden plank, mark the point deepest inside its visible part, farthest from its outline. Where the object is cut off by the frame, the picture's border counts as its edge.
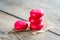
(43, 36)
(20, 9)
(6, 25)
(6, 22)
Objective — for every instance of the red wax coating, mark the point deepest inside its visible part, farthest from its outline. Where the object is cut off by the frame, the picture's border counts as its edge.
(36, 13)
(20, 25)
(35, 21)
(36, 27)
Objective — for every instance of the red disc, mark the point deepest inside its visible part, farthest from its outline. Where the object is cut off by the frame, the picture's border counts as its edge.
(36, 13)
(36, 27)
(35, 21)
(20, 25)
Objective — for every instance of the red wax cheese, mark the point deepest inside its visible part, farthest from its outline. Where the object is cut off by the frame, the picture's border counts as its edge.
(36, 27)
(20, 25)
(35, 21)
(36, 13)
(31, 18)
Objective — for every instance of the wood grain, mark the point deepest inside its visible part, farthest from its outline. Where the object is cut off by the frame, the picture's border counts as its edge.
(6, 26)
(21, 9)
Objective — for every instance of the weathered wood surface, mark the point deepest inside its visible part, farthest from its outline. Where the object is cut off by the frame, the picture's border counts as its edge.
(6, 25)
(21, 9)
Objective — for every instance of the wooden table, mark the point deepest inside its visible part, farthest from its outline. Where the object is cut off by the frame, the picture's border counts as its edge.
(20, 9)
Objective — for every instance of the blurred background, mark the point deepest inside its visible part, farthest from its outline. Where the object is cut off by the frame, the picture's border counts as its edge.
(22, 7)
